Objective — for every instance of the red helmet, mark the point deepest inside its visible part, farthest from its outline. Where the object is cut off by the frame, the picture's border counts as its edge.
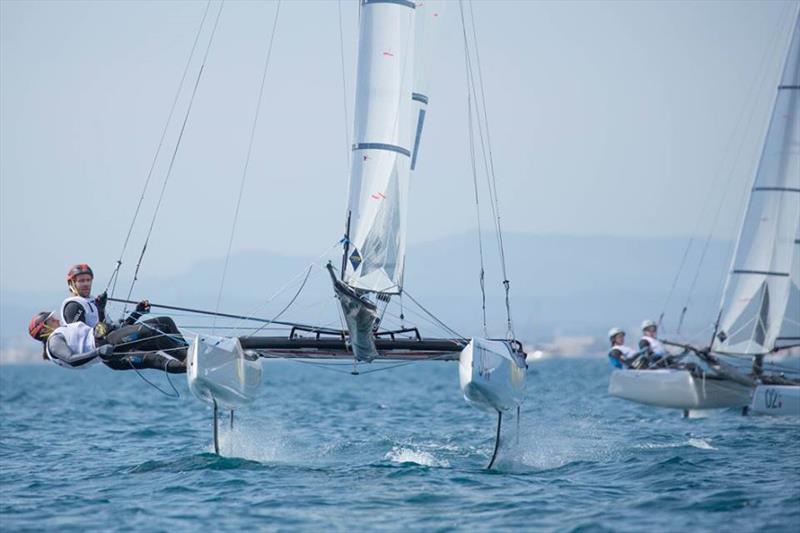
(77, 270)
(37, 324)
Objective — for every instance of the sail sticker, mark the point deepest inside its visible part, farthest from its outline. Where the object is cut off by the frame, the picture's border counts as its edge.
(404, 3)
(382, 146)
(776, 189)
(419, 97)
(420, 122)
(355, 259)
(760, 272)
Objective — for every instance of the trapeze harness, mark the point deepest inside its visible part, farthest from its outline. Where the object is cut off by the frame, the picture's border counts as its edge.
(78, 308)
(624, 353)
(654, 346)
(159, 338)
(74, 346)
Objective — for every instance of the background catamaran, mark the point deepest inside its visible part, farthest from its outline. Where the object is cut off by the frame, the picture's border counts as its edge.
(760, 310)
(390, 109)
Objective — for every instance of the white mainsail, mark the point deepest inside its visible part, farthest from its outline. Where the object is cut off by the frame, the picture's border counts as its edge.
(382, 146)
(761, 302)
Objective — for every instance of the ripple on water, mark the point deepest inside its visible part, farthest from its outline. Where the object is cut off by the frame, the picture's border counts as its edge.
(204, 461)
(88, 450)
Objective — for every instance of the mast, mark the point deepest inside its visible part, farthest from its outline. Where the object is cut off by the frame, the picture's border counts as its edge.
(762, 290)
(375, 239)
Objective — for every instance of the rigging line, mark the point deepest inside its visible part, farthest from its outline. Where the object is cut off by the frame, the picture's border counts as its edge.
(422, 318)
(756, 354)
(488, 140)
(441, 324)
(175, 393)
(470, 128)
(226, 328)
(680, 269)
(224, 315)
(717, 175)
(318, 365)
(314, 263)
(288, 305)
(344, 88)
(781, 367)
(404, 363)
(490, 168)
(488, 165)
(751, 96)
(247, 157)
(477, 208)
(175, 151)
(115, 273)
(434, 323)
(727, 278)
(173, 349)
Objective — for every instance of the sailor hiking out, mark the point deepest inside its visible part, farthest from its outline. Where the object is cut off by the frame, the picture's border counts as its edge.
(156, 344)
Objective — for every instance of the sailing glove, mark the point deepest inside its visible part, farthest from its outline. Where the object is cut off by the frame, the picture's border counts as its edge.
(100, 300)
(101, 330)
(106, 351)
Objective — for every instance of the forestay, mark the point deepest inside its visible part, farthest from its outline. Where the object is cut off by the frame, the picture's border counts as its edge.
(761, 303)
(382, 147)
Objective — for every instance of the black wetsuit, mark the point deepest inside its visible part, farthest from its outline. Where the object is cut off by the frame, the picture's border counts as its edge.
(151, 336)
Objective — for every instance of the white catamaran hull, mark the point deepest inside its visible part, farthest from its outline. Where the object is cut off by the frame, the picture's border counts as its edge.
(776, 400)
(492, 377)
(677, 389)
(218, 370)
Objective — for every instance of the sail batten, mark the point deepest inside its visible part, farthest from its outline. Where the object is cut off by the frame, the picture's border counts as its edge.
(763, 286)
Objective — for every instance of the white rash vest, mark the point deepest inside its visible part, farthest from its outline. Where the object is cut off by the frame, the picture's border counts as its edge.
(72, 346)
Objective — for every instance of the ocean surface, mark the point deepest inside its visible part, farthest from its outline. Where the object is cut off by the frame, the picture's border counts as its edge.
(391, 450)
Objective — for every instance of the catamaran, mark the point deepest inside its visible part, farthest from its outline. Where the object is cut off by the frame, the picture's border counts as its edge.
(390, 108)
(760, 310)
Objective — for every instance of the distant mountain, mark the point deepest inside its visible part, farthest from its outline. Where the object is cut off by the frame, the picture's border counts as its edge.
(559, 286)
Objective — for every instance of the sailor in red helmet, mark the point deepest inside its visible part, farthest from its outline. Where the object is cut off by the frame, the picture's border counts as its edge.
(155, 334)
(81, 307)
(76, 346)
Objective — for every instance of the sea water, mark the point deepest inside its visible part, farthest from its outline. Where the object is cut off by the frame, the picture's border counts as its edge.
(392, 450)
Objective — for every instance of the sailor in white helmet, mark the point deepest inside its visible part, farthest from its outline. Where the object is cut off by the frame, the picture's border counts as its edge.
(653, 347)
(620, 356)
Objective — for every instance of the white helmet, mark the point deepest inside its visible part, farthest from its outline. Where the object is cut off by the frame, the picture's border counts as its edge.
(648, 324)
(613, 332)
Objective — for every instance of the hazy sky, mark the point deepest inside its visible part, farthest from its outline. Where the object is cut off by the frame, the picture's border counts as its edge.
(606, 118)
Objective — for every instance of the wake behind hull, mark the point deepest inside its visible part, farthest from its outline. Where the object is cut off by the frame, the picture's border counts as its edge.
(776, 400)
(677, 389)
